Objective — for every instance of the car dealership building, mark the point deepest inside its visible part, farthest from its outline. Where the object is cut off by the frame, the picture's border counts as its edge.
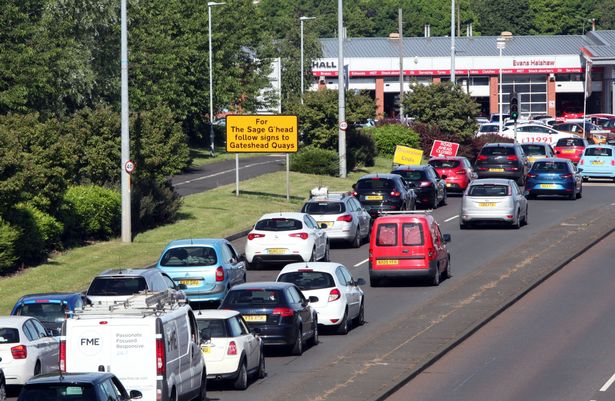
(547, 72)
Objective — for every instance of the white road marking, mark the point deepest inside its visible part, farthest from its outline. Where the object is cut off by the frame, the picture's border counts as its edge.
(361, 262)
(598, 184)
(608, 383)
(225, 172)
(452, 218)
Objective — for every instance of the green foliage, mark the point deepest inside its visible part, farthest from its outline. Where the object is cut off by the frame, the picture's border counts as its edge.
(360, 149)
(444, 105)
(91, 212)
(388, 136)
(8, 238)
(154, 203)
(312, 160)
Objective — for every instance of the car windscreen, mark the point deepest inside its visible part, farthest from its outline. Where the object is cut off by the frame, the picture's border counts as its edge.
(445, 163)
(46, 312)
(250, 297)
(488, 190)
(570, 142)
(117, 286)
(9, 335)
(278, 224)
(598, 152)
(323, 208)
(550, 167)
(58, 391)
(497, 151)
(189, 256)
(489, 128)
(412, 175)
(375, 185)
(534, 150)
(211, 327)
(308, 280)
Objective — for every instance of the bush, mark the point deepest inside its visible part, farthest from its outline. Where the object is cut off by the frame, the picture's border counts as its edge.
(360, 149)
(8, 238)
(91, 212)
(311, 160)
(387, 137)
(153, 204)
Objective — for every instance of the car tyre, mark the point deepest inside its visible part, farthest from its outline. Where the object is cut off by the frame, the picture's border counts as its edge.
(444, 199)
(313, 256)
(448, 273)
(375, 282)
(521, 181)
(203, 391)
(435, 280)
(327, 255)
(517, 223)
(525, 218)
(434, 201)
(297, 348)
(241, 382)
(573, 195)
(580, 194)
(2, 392)
(464, 226)
(262, 371)
(37, 368)
(356, 241)
(343, 328)
(314, 340)
(360, 319)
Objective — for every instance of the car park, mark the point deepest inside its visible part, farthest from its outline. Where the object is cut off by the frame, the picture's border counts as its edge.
(50, 308)
(346, 219)
(340, 298)
(117, 285)
(554, 177)
(598, 161)
(230, 350)
(534, 151)
(429, 187)
(457, 170)
(502, 160)
(279, 311)
(592, 132)
(26, 349)
(207, 267)
(570, 148)
(488, 128)
(381, 192)
(94, 386)
(493, 200)
(408, 246)
(534, 132)
(286, 237)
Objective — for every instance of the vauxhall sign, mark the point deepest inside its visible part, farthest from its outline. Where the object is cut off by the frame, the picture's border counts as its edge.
(322, 65)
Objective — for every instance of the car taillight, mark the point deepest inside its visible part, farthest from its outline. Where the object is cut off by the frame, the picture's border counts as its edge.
(19, 352)
(232, 348)
(251, 236)
(334, 295)
(299, 235)
(62, 355)
(461, 172)
(355, 193)
(512, 158)
(161, 363)
(395, 193)
(581, 162)
(612, 162)
(482, 158)
(531, 175)
(219, 274)
(283, 312)
(346, 217)
(426, 183)
(565, 175)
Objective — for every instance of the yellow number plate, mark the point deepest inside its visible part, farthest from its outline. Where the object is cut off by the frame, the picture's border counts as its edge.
(486, 204)
(387, 262)
(190, 282)
(328, 223)
(568, 151)
(373, 197)
(206, 349)
(276, 251)
(548, 186)
(497, 170)
(597, 162)
(255, 318)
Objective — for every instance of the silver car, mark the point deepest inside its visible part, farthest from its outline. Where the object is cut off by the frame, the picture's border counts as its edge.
(493, 200)
(345, 217)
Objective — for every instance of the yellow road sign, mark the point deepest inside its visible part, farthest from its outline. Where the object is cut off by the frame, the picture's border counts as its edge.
(262, 134)
(406, 155)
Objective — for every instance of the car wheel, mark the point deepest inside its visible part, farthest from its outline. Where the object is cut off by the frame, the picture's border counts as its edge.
(580, 194)
(521, 181)
(298, 345)
(435, 280)
(37, 368)
(241, 382)
(2, 392)
(262, 372)
(525, 218)
(203, 391)
(342, 328)
(464, 226)
(530, 196)
(517, 223)
(434, 201)
(573, 195)
(375, 282)
(585, 179)
(314, 340)
(360, 319)
(252, 266)
(444, 199)
(448, 273)
(327, 255)
(313, 256)
(356, 241)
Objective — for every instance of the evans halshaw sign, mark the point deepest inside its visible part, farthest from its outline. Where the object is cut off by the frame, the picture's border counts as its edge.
(262, 133)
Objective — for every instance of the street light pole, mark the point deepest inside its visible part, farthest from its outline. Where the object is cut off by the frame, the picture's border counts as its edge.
(501, 44)
(341, 90)
(125, 153)
(453, 41)
(211, 79)
(401, 67)
(301, 19)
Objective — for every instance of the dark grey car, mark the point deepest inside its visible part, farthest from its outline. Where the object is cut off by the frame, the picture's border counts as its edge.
(502, 160)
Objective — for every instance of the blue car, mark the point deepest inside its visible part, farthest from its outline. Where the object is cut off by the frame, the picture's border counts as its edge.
(208, 267)
(598, 161)
(554, 176)
(50, 308)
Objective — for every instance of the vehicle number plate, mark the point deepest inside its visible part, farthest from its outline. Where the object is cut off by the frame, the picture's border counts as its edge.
(206, 349)
(547, 186)
(597, 162)
(387, 262)
(276, 251)
(255, 318)
(373, 197)
(328, 223)
(448, 184)
(190, 282)
(568, 151)
(486, 204)
(497, 170)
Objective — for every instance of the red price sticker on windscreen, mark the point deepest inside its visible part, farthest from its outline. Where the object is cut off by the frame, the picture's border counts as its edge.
(443, 148)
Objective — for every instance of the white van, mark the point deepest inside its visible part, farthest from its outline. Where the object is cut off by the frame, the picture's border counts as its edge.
(150, 342)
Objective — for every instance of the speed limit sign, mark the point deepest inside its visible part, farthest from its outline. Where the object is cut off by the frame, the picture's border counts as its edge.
(343, 125)
(129, 166)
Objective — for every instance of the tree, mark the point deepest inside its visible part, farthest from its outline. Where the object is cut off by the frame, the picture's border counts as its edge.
(505, 15)
(444, 105)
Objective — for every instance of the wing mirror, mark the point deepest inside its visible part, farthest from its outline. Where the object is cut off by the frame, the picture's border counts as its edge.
(360, 281)
(135, 395)
(322, 225)
(579, 170)
(313, 299)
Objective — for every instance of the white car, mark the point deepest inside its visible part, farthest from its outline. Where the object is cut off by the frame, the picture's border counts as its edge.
(286, 237)
(340, 299)
(534, 132)
(26, 349)
(230, 350)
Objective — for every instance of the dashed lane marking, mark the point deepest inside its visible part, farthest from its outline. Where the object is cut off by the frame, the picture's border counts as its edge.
(361, 262)
(451, 218)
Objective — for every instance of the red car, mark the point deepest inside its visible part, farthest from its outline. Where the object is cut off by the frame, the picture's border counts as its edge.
(457, 170)
(570, 148)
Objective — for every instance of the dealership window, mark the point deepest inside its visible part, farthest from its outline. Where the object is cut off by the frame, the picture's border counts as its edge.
(532, 92)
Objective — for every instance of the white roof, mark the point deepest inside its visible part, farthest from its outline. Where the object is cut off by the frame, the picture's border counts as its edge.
(215, 314)
(284, 215)
(13, 321)
(328, 267)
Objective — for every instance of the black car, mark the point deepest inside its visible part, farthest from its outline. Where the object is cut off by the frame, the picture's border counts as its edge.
(278, 312)
(429, 187)
(502, 160)
(384, 192)
(95, 386)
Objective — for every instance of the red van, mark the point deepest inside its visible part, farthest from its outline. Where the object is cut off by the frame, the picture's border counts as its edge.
(408, 245)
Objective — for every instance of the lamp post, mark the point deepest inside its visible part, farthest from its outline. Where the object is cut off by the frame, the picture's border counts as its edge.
(125, 150)
(211, 79)
(341, 96)
(301, 19)
(501, 44)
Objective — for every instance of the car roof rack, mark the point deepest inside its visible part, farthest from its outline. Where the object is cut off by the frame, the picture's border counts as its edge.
(141, 303)
(323, 193)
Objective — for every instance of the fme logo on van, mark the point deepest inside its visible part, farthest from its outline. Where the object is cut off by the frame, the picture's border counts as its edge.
(90, 343)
